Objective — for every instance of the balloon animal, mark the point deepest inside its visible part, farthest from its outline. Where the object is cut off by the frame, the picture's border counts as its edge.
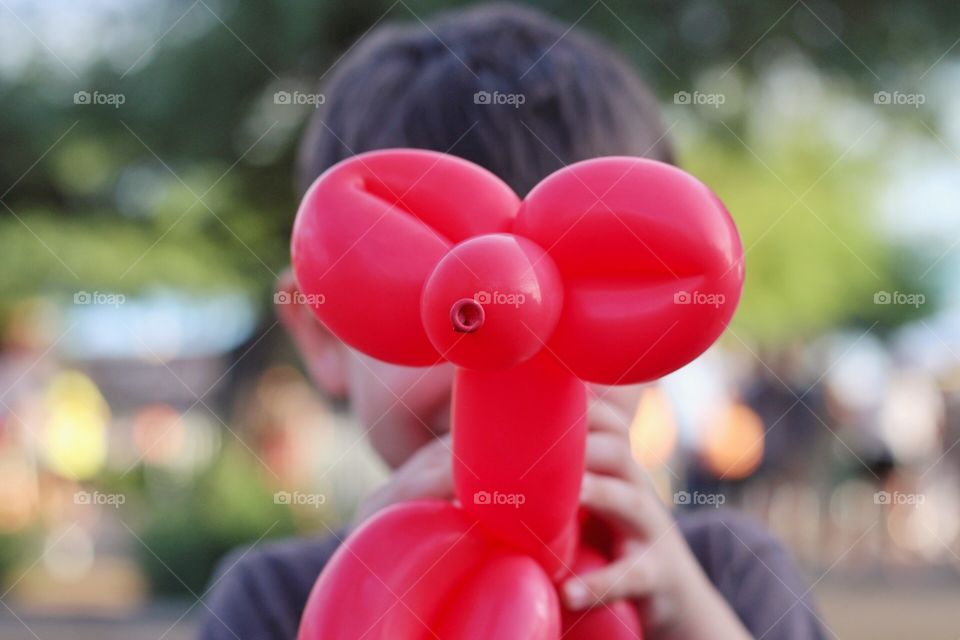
(613, 271)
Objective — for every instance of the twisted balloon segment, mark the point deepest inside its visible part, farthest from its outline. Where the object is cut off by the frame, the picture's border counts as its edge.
(613, 271)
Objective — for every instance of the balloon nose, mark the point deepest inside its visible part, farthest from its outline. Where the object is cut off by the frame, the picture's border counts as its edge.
(466, 315)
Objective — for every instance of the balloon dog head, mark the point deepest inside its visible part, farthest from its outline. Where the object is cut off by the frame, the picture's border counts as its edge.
(624, 268)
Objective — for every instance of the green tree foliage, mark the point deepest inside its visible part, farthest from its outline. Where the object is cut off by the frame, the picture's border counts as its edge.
(226, 507)
(188, 183)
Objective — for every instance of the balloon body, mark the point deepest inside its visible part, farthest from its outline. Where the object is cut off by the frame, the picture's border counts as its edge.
(367, 575)
(508, 597)
(520, 459)
(613, 271)
(450, 582)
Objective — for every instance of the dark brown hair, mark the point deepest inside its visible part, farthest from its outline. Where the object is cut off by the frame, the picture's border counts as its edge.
(502, 86)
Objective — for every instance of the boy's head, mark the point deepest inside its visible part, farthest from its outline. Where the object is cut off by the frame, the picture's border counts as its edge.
(506, 88)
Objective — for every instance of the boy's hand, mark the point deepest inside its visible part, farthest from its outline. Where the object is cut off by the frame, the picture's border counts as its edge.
(427, 474)
(654, 567)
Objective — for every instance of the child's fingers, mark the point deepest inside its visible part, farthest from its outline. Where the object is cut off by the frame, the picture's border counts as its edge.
(437, 452)
(602, 417)
(631, 577)
(432, 483)
(433, 462)
(620, 501)
(610, 454)
(427, 483)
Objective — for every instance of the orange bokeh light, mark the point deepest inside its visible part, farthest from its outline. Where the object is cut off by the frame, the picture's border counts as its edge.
(733, 442)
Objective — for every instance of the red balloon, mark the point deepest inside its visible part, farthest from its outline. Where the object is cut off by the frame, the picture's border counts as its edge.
(651, 261)
(501, 294)
(615, 620)
(393, 576)
(518, 460)
(372, 228)
(614, 271)
(509, 597)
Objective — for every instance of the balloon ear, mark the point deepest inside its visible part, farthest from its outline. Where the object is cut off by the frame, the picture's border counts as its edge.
(651, 263)
(372, 228)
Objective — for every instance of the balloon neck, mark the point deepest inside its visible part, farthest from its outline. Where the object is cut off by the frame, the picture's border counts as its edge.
(466, 315)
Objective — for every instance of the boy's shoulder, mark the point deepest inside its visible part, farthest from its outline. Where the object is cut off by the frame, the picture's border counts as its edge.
(260, 591)
(753, 571)
(714, 533)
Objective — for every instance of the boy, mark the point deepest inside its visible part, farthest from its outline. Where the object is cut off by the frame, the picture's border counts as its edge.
(693, 576)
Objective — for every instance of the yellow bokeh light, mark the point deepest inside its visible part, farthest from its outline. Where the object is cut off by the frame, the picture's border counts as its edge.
(75, 431)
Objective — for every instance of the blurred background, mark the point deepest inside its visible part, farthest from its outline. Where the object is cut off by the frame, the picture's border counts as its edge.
(153, 416)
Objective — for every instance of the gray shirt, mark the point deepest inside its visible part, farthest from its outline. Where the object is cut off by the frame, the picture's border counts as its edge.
(260, 593)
